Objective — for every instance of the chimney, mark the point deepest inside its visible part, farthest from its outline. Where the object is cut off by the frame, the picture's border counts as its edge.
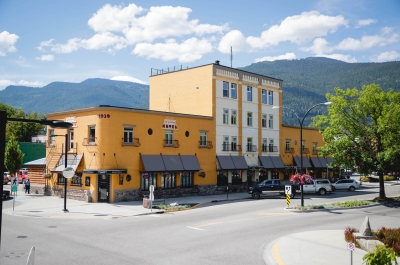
(217, 62)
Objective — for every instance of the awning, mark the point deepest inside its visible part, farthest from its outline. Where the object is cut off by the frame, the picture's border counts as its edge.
(316, 161)
(251, 161)
(329, 160)
(226, 162)
(152, 163)
(323, 162)
(190, 163)
(72, 161)
(172, 163)
(277, 161)
(266, 162)
(306, 162)
(239, 162)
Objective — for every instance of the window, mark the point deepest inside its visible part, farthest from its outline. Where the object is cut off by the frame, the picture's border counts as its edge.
(233, 143)
(77, 179)
(264, 121)
(168, 180)
(270, 97)
(265, 145)
(60, 178)
(71, 139)
(249, 144)
(303, 143)
(314, 148)
(226, 116)
(203, 138)
(225, 91)
(186, 179)
(225, 143)
(249, 93)
(169, 136)
(92, 134)
(271, 145)
(233, 117)
(271, 122)
(51, 137)
(287, 149)
(233, 90)
(148, 179)
(249, 119)
(128, 135)
(87, 181)
(264, 96)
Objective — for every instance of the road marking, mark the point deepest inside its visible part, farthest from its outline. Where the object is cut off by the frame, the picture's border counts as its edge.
(275, 254)
(195, 228)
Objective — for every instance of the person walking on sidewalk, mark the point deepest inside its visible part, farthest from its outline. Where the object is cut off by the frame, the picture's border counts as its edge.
(28, 186)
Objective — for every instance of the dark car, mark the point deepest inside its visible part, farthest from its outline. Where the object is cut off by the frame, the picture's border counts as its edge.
(6, 194)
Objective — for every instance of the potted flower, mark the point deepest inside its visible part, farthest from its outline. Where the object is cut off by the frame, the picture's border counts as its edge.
(202, 174)
(47, 175)
(146, 175)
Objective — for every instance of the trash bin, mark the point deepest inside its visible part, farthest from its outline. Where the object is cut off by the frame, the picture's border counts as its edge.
(146, 202)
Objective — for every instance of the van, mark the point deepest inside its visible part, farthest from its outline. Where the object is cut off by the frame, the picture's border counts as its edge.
(22, 175)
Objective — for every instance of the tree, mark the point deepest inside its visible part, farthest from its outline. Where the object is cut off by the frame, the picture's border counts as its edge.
(22, 131)
(13, 156)
(362, 130)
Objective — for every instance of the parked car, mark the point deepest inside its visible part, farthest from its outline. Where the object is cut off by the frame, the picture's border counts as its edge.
(321, 186)
(6, 178)
(271, 187)
(346, 184)
(22, 175)
(6, 194)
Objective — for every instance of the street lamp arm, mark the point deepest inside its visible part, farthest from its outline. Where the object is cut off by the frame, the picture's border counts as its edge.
(51, 123)
(324, 103)
(295, 114)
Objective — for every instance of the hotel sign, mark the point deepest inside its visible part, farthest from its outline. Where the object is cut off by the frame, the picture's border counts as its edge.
(71, 120)
(169, 124)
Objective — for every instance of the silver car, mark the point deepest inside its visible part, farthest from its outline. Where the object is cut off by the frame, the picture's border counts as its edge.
(346, 184)
(6, 177)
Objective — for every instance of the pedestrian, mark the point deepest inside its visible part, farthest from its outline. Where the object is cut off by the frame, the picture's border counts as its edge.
(28, 186)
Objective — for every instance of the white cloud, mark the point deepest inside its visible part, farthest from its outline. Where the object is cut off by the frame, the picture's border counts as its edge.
(30, 83)
(365, 22)
(386, 56)
(298, 29)
(320, 46)
(366, 42)
(341, 57)
(71, 46)
(104, 40)
(7, 42)
(46, 43)
(188, 51)
(5, 83)
(48, 57)
(287, 56)
(386, 30)
(128, 79)
(235, 39)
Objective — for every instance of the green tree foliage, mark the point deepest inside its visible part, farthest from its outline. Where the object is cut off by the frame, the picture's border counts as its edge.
(22, 131)
(362, 129)
(381, 256)
(13, 156)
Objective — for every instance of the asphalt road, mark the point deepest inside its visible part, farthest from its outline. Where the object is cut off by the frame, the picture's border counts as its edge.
(218, 233)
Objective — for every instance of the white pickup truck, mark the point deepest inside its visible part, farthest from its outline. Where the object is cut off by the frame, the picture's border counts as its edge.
(321, 186)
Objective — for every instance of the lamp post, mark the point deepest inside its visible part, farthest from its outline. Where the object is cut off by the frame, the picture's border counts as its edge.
(301, 138)
(66, 174)
(3, 123)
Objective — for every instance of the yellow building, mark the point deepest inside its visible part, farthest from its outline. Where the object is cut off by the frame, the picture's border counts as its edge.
(118, 152)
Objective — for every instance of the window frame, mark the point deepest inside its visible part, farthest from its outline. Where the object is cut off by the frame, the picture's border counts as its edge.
(203, 138)
(225, 116)
(233, 117)
(225, 143)
(165, 180)
(264, 120)
(188, 178)
(233, 90)
(250, 119)
(169, 137)
(225, 89)
(264, 96)
(270, 97)
(249, 93)
(91, 134)
(128, 131)
(287, 146)
(270, 121)
(145, 183)
(233, 143)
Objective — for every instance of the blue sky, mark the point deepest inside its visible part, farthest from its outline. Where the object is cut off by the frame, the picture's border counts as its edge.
(42, 41)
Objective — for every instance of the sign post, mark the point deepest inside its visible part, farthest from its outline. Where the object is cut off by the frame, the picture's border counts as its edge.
(14, 188)
(151, 197)
(288, 192)
(351, 246)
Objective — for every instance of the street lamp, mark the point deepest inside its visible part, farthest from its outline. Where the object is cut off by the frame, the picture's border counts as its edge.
(301, 138)
(3, 123)
(66, 171)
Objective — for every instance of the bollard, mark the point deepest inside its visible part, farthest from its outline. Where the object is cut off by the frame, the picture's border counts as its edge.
(227, 191)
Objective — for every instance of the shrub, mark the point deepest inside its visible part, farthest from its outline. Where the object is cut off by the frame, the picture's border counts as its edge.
(381, 256)
(351, 203)
(348, 234)
(388, 178)
(390, 237)
(364, 179)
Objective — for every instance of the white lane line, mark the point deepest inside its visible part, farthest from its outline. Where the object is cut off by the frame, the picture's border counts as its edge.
(195, 228)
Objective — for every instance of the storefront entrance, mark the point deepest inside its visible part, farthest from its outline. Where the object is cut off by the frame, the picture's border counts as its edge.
(103, 191)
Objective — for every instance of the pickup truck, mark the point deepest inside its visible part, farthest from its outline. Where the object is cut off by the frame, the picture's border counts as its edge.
(270, 187)
(321, 186)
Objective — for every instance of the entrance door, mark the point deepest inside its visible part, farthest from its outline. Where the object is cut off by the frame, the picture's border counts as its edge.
(103, 192)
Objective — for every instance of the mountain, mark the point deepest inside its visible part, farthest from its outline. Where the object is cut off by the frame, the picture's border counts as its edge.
(307, 81)
(60, 96)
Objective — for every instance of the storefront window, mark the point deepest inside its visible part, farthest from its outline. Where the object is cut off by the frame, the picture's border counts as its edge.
(147, 180)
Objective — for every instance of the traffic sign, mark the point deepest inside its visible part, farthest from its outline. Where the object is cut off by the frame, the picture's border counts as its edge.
(288, 189)
(351, 246)
(14, 182)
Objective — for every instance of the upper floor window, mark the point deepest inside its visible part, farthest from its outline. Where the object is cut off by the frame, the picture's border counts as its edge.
(226, 116)
(249, 144)
(314, 148)
(169, 137)
(265, 145)
(264, 121)
(271, 122)
(225, 91)
(225, 143)
(233, 117)
(203, 138)
(233, 143)
(128, 135)
(51, 137)
(287, 146)
(233, 90)
(271, 145)
(264, 96)
(270, 97)
(249, 93)
(92, 134)
(249, 119)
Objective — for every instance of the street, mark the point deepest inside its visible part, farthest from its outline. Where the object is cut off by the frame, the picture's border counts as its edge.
(233, 232)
